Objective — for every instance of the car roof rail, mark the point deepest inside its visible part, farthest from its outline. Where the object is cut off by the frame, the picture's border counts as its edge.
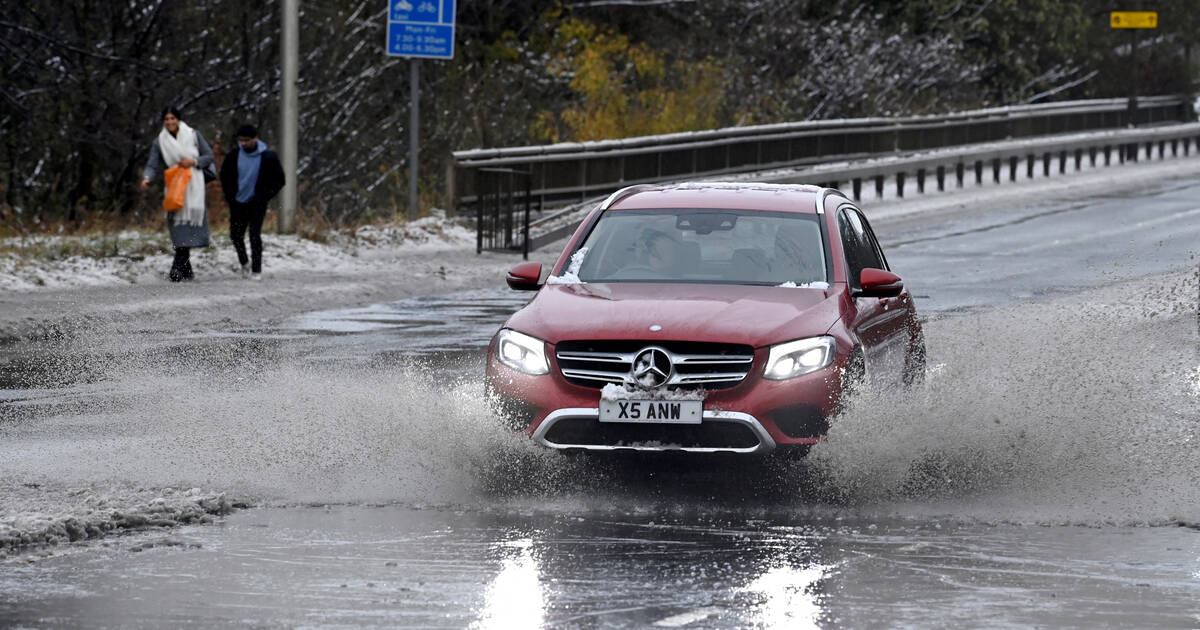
(826, 192)
(625, 192)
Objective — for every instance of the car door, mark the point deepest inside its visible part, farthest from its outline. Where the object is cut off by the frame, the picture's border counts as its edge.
(879, 323)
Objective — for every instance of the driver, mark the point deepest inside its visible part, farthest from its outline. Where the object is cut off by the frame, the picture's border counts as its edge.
(662, 252)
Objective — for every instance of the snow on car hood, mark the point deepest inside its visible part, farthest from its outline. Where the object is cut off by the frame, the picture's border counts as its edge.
(754, 315)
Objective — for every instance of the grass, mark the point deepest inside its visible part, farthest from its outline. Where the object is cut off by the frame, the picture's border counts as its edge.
(134, 245)
(139, 236)
(142, 232)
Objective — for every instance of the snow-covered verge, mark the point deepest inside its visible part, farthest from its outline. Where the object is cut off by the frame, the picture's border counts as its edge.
(34, 516)
(29, 263)
(130, 257)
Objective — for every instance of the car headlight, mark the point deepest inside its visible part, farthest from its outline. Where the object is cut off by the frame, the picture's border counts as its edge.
(794, 358)
(522, 352)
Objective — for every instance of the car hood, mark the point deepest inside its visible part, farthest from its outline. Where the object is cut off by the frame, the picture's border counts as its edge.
(753, 315)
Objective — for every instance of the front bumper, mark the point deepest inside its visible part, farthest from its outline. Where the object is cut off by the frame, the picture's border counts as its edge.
(757, 416)
(697, 438)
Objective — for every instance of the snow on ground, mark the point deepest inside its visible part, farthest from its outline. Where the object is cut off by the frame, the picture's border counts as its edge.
(52, 261)
(36, 515)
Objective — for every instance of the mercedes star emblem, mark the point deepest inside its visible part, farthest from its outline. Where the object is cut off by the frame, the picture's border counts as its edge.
(652, 368)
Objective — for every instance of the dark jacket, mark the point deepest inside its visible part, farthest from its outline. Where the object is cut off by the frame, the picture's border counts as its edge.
(270, 177)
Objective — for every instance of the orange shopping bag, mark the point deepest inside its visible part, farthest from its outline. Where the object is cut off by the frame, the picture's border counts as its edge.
(177, 179)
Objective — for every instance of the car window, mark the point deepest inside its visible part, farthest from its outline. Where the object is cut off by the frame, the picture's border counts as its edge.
(717, 246)
(880, 258)
(857, 243)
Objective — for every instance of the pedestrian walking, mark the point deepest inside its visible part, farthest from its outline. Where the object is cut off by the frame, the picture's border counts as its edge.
(178, 145)
(251, 176)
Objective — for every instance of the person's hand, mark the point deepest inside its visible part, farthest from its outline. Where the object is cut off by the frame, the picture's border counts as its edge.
(187, 162)
(145, 183)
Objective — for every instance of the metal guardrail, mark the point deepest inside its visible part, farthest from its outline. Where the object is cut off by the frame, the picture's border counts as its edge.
(566, 172)
(951, 166)
(1002, 159)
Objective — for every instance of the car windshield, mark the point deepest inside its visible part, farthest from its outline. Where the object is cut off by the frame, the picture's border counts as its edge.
(709, 246)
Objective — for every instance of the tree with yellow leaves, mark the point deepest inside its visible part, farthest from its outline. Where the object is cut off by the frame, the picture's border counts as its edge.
(622, 89)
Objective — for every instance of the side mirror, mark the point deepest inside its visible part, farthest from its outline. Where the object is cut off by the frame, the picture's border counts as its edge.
(524, 277)
(879, 283)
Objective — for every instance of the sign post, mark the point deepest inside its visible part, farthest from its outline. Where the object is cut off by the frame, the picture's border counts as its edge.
(1134, 21)
(418, 29)
(289, 116)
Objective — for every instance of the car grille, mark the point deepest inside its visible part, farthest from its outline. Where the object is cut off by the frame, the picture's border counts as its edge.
(697, 365)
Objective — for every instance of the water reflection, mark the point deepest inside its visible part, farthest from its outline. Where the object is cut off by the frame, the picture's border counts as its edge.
(514, 599)
(419, 325)
(788, 597)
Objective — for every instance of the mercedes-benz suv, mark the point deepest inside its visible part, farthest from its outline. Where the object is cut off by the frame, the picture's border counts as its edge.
(704, 317)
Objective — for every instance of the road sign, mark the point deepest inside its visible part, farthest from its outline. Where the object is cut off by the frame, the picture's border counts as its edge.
(1134, 19)
(421, 28)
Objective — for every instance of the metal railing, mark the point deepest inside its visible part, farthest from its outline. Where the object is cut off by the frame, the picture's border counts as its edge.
(999, 161)
(566, 172)
(1002, 160)
(502, 212)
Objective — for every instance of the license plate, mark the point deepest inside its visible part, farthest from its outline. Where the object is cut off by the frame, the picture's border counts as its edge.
(652, 411)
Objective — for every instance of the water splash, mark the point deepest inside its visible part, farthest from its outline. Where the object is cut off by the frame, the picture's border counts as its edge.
(1076, 410)
(1079, 409)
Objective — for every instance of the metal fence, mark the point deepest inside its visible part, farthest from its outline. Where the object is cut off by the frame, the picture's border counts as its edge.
(567, 172)
(994, 162)
(1002, 161)
(502, 212)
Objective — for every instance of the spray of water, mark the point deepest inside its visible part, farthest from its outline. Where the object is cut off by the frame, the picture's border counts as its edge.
(1072, 410)
(293, 433)
(1080, 409)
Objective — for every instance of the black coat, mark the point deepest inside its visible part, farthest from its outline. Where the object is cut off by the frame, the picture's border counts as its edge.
(270, 177)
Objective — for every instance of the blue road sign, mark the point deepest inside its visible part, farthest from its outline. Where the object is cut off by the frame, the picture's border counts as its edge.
(421, 28)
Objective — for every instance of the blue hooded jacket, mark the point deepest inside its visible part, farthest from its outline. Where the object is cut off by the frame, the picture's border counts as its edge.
(248, 164)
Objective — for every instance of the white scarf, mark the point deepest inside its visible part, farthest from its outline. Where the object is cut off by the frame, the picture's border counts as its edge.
(175, 148)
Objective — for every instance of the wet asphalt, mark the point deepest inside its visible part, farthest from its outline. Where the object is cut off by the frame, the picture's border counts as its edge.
(434, 532)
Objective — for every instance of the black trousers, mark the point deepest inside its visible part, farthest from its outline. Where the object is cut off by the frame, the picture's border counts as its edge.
(242, 216)
(181, 267)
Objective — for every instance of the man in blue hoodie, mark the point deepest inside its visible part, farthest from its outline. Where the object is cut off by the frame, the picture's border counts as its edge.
(250, 176)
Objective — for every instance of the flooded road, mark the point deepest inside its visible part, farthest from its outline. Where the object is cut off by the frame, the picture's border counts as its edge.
(389, 567)
(1047, 475)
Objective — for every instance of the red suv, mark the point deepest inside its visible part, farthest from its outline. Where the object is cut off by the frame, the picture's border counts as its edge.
(704, 317)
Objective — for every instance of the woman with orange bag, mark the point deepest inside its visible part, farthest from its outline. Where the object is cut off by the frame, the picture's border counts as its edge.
(178, 145)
